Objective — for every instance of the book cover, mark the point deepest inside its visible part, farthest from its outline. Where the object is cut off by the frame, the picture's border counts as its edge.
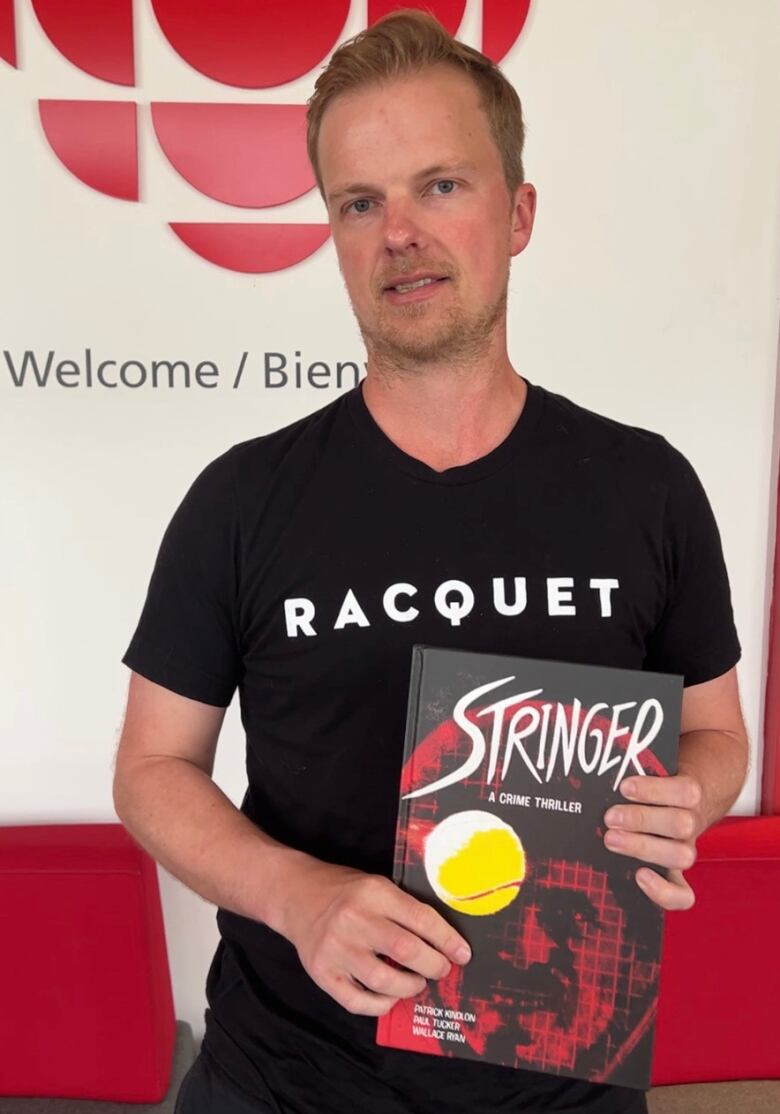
(509, 767)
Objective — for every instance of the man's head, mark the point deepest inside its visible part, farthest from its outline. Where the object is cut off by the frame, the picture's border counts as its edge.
(408, 43)
(416, 141)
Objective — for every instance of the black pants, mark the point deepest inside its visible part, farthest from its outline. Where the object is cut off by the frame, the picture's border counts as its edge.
(205, 1090)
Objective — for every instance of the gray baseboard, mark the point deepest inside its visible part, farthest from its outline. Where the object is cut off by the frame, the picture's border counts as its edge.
(183, 1056)
(761, 1096)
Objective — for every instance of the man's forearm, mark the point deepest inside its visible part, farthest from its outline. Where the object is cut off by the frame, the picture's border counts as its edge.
(718, 760)
(175, 811)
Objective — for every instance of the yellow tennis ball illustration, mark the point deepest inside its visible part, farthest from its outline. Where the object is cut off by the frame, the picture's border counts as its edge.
(475, 862)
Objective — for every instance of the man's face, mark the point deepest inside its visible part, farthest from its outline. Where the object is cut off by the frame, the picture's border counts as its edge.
(415, 188)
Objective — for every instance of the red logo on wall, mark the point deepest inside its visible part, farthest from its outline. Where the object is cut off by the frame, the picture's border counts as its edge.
(250, 156)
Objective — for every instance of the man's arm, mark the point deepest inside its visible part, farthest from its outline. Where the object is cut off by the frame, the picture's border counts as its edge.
(340, 920)
(714, 747)
(669, 814)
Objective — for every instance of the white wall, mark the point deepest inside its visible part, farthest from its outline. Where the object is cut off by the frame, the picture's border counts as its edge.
(650, 293)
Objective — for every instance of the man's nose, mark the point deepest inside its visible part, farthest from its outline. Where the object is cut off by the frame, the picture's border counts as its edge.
(402, 230)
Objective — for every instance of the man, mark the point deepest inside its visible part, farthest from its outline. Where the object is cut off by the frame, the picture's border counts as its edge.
(302, 566)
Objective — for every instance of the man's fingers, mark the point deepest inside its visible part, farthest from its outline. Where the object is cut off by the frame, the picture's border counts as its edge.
(425, 922)
(673, 894)
(376, 899)
(678, 790)
(659, 826)
(651, 849)
(376, 975)
(356, 919)
(356, 998)
(676, 823)
(411, 952)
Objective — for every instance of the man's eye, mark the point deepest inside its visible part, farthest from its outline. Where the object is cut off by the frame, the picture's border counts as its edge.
(359, 205)
(446, 185)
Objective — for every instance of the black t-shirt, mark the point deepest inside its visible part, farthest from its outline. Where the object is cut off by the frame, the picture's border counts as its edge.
(300, 568)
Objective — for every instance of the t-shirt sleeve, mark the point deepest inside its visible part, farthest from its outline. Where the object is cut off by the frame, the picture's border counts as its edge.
(696, 636)
(187, 636)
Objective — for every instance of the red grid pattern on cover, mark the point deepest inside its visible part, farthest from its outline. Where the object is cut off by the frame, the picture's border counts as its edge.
(570, 991)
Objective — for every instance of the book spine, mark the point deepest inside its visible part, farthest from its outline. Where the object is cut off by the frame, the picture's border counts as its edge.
(410, 742)
(387, 1023)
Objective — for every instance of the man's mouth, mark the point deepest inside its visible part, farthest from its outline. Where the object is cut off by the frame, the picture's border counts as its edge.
(405, 285)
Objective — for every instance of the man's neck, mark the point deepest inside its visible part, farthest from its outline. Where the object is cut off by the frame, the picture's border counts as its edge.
(446, 417)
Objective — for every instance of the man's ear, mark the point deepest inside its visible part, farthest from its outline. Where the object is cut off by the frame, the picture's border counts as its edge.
(523, 213)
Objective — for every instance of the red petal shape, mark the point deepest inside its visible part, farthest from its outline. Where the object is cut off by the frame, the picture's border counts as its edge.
(97, 141)
(252, 155)
(7, 32)
(448, 12)
(95, 35)
(254, 44)
(253, 248)
(502, 22)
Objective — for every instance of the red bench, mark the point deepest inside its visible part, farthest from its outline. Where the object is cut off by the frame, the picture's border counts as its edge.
(88, 1011)
(87, 1003)
(718, 1030)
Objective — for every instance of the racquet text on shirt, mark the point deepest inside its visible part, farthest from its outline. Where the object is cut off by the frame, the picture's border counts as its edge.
(454, 600)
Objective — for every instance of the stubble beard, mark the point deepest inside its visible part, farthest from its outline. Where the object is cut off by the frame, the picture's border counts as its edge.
(403, 340)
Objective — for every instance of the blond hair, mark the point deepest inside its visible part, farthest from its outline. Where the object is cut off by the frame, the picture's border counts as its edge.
(406, 42)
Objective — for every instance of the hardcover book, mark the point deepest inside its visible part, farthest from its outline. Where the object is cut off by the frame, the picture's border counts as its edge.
(509, 767)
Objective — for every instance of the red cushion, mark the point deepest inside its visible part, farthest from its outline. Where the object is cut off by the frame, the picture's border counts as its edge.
(719, 1007)
(87, 1004)
(88, 1008)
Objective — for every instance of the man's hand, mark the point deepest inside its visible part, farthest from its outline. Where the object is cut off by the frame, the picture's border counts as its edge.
(660, 825)
(668, 814)
(342, 921)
